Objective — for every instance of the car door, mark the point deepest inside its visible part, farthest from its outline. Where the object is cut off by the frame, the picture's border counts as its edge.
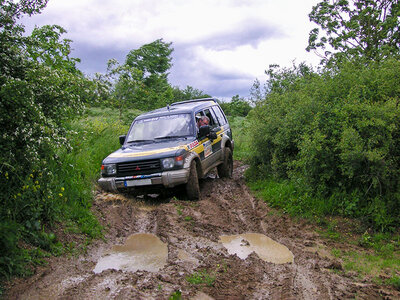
(211, 148)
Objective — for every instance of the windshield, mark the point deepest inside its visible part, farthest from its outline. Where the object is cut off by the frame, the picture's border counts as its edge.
(170, 126)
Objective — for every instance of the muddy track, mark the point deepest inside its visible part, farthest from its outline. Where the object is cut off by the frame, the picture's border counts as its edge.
(192, 230)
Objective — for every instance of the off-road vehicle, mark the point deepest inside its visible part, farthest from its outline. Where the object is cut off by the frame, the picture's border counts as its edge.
(164, 148)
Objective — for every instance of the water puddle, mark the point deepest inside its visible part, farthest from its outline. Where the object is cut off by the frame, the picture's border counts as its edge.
(267, 249)
(142, 251)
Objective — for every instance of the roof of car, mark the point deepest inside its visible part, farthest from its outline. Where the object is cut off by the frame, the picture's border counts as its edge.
(187, 106)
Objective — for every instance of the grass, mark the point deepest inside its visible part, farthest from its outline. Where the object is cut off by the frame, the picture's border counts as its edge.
(382, 268)
(177, 295)
(373, 256)
(241, 138)
(285, 196)
(179, 209)
(201, 277)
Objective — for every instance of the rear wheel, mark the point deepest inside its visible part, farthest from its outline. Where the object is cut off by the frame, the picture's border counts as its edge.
(192, 186)
(226, 168)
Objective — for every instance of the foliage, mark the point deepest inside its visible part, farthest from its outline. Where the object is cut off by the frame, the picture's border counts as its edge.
(41, 90)
(153, 60)
(45, 47)
(395, 281)
(358, 28)
(240, 131)
(375, 265)
(334, 135)
(257, 92)
(201, 277)
(177, 295)
(238, 107)
(142, 81)
(188, 93)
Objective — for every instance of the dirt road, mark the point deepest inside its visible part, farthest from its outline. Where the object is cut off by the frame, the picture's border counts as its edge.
(197, 264)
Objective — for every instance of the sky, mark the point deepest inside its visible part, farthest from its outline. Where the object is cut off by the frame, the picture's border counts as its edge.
(220, 46)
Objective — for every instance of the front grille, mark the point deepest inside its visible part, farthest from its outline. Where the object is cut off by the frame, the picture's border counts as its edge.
(143, 167)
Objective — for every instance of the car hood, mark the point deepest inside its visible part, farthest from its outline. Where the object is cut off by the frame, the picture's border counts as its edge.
(145, 151)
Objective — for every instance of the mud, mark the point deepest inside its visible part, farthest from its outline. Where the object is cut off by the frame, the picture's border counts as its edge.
(141, 251)
(191, 233)
(267, 249)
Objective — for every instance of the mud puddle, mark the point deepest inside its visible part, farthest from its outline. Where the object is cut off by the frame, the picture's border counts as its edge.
(267, 249)
(142, 251)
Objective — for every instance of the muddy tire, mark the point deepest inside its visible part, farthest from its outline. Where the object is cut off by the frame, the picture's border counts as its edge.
(226, 168)
(192, 186)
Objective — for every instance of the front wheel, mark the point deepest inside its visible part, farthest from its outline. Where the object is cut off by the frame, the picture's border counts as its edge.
(226, 168)
(192, 186)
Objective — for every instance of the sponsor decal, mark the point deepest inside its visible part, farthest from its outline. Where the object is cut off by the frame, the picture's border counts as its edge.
(193, 145)
(207, 149)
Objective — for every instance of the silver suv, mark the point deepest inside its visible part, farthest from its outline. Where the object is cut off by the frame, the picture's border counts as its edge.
(165, 148)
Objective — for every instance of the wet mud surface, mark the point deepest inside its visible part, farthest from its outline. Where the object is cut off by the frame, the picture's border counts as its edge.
(189, 234)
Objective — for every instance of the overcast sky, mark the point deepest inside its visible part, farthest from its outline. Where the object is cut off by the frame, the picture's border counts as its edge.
(220, 46)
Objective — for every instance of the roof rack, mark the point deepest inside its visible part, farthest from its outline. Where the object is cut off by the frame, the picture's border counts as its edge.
(194, 100)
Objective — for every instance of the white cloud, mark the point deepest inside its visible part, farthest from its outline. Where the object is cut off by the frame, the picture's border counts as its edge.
(236, 39)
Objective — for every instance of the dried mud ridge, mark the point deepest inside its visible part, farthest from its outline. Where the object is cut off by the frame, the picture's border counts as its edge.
(192, 230)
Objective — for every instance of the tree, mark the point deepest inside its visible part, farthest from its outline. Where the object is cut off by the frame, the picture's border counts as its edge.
(188, 93)
(45, 46)
(124, 83)
(257, 93)
(11, 39)
(354, 29)
(151, 59)
(142, 81)
(154, 61)
(236, 107)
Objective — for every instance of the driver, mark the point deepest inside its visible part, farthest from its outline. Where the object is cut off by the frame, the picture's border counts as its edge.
(203, 120)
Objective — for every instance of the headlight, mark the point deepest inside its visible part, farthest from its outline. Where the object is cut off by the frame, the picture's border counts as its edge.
(110, 169)
(172, 162)
(168, 163)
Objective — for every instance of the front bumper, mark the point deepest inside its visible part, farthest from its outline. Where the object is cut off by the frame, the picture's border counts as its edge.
(168, 179)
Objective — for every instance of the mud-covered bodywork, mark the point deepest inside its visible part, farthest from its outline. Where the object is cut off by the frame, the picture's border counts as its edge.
(161, 145)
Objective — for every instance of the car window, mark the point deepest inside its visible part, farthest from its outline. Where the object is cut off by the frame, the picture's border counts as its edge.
(220, 115)
(210, 115)
(178, 125)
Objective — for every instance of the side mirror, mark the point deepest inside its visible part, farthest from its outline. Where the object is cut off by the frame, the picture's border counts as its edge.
(204, 130)
(122, 139)
(212, 135)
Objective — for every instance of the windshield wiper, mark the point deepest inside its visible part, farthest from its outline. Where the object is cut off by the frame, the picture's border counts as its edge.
(138, 141)
(169, 137)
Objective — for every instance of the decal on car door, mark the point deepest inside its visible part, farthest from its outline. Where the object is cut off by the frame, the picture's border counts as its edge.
(207, 149)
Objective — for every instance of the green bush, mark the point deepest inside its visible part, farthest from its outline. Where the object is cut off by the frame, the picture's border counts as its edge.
(41, 91)
(237, 107)
(334, 134)
(239, 126)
